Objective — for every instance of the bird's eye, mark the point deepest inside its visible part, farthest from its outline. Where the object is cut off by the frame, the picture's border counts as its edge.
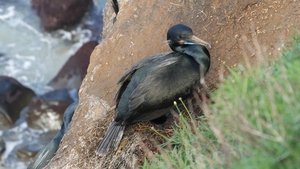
(181, 36)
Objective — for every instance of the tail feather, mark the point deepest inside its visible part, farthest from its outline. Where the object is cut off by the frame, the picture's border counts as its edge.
(111, 139)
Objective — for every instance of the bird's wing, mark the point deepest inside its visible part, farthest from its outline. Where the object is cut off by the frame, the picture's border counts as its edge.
(125, 78)
(162, 86)
(129, 72)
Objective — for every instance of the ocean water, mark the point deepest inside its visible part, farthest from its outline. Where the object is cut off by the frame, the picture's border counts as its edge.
(34, 57)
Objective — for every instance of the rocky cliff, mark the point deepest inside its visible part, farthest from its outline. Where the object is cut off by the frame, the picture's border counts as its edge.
(238, 31)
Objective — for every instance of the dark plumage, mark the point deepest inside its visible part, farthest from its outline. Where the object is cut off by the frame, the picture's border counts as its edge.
(45, 155)
(149, 88)
(115, 6)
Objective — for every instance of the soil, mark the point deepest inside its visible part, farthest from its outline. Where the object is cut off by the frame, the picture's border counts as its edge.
(249, 32)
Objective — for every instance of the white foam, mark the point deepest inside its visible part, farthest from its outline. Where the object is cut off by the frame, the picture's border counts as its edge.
(10, 13)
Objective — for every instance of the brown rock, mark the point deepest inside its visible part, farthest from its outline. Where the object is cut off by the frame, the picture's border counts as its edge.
(109, 16)
(56, 13)
(5, 119)
(13, 98)
(2, 146)
(73, 72)
(35, 3)
(47, 111)
(44, 114)
(239, 30)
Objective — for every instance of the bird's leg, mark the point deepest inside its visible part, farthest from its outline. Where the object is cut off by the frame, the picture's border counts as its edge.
(174, 114)
(202, 81)
(197, 97)
(202, 78)
(201, 69)
(190, 104)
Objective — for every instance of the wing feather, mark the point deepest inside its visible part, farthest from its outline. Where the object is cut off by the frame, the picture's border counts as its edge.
(126, 77)
(156, 90)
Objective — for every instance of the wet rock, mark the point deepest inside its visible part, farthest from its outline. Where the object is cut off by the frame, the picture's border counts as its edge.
(13, 98)
(2, 147)
(24, 153)
(73, 72)
(28, 150)
(5, 120)
(140, 31)
(46, 114)
(21, 144)
(46, 111)
(34, 3)
(60, 95)
(56, 14)
(46, 154)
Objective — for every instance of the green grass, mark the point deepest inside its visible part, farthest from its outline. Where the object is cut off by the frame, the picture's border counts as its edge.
(262, 113)
(254, 123)
(191, 141)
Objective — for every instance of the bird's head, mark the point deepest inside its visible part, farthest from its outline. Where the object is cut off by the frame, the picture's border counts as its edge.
(179, 35)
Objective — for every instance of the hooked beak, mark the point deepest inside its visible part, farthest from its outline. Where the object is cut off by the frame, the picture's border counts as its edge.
(199, 41)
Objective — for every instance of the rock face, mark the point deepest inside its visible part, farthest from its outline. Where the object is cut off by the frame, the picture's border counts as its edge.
(73, 72)
(56, 13)
(238, 30)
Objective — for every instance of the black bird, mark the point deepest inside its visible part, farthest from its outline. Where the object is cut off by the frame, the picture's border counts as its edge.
(45, 155)
(149, 88)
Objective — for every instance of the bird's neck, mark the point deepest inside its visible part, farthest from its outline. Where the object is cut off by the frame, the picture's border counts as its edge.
(198, 52)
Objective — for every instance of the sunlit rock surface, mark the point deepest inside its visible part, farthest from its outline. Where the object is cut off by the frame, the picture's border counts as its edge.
(237, 30)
